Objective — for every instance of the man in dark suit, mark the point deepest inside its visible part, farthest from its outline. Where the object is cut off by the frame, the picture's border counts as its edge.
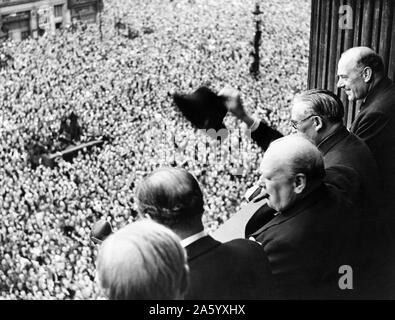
(238, 269)
(339, 147)
(305, 239)
(318, 115)
(362, 77)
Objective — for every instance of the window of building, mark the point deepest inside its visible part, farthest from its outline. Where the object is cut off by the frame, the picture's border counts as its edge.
(58, 10)
(25, 34)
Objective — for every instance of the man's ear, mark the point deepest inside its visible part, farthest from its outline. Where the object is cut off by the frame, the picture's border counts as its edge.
(318, 123)
(300, 183)
(367, 74)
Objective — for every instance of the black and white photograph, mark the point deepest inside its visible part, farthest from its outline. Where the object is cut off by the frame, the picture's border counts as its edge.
(197, 150)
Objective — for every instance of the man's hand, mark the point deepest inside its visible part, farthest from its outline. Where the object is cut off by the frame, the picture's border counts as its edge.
(234, 104)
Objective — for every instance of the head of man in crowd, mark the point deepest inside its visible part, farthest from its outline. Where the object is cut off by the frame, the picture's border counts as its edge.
(317, 113)
(292, 167)
(143, 260)
(172, 197)
(359, 69)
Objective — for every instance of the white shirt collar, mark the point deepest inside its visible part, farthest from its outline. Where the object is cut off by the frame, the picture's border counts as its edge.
(187, 241)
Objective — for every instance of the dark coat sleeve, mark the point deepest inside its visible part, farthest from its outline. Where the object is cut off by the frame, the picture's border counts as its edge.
(370, 129)
(264, 135)
(259, 219)
(346, 180)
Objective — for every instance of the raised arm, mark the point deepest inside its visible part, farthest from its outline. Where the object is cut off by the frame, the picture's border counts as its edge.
(261, 133)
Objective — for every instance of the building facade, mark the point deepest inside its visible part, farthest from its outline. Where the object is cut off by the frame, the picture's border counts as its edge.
(20, 19)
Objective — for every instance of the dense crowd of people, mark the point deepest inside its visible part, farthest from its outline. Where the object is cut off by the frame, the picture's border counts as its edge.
(121, 87)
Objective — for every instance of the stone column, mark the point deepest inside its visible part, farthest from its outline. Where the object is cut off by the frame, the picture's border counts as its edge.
(33, 23)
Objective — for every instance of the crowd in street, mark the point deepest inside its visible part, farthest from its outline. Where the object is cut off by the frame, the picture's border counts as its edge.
(122, 87)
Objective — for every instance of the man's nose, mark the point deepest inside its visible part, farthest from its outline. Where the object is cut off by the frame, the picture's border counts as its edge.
(340, 83)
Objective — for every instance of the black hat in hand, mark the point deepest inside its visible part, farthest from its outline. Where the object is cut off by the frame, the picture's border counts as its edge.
(204, 108)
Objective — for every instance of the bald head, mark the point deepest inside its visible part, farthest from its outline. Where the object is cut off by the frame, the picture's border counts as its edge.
(143, 260)
(359, 69)
(171, 196)
(291, 167)
(295, 154)
(362, 57)
(353, 55)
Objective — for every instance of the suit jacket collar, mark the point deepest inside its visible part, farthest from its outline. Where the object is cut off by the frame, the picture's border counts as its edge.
(334, 138)
(379, 87)
(201, 246)
(299, 207)
(192, 238)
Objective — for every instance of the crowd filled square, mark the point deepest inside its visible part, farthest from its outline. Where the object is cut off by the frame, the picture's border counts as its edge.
(119, 84)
